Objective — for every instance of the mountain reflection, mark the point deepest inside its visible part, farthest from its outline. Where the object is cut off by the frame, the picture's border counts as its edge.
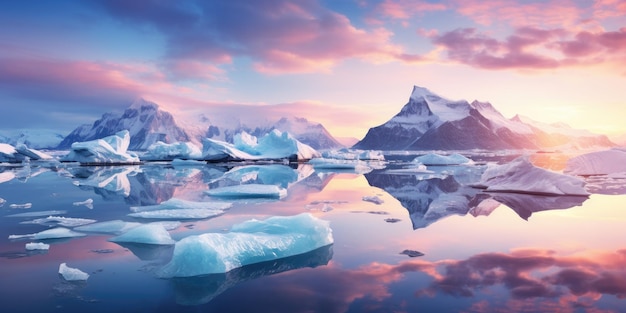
(429, 198)
(202, 289)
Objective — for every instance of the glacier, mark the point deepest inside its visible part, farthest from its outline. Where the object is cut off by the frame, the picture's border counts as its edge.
(248, 191)
(249, 242)
(72, 274)
(153, 234)
(439, 159)
(604, 162)
(520, 175)
(108, 150)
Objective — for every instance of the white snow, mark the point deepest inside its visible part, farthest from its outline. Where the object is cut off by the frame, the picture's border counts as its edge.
(178, 214)
(88, 203)
(153, 234)
(520, 175)
(111, 149)
(177, 150)
(497, 120)
(250, 242)
(179, 204)
(61, 221)
(32, 153)
(373, 199)
(597, 163)
(27, 205)
(248, 191)
(37, 246)
(274, 145)
(438, 159)
(54, 233)
(72, 274)
(445, 109)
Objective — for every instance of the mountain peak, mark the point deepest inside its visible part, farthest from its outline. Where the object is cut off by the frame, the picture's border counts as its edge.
(141, 103)
(421, 92)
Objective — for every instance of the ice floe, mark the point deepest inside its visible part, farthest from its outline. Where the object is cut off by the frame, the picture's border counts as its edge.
(598, 163)
(60, 221)
(27, 205)
(36, 246)
(160, 151)
(178, 214)
(153, 234)
(250, 242)
(349, 154)
(108, 150)
(180, 204)
(248, 191)
(72, 274)
(54, 233)
(520, 175)
(119, 226)
(439, 159)
(88, 203)
(38, 213)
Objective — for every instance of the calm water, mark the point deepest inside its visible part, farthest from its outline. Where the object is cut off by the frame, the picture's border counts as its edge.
(482, 252)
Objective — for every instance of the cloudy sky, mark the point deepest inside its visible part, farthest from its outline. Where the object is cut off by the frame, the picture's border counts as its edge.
(350, 64)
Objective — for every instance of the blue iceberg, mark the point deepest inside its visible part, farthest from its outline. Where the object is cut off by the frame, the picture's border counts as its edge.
(250, 242)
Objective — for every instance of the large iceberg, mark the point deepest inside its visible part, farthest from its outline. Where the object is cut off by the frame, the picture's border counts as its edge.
(439, 159)
(153, 234)
(72, 274)
(274, 145)
(520, 175)
(598, 163)
(108, 150)
(250, 242)
(9, 154)
(32, 153)
(160, 151)
(248, 191)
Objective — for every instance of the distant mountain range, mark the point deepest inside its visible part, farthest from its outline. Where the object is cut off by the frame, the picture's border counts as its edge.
(147, 124)
(431, 122)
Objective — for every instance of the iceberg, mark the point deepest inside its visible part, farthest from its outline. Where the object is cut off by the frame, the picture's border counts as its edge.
(438, 159)
(153, 234)
(180, 204)
(348, 154)
(9, 154)
(273, 146)
(250, 242)
(597, 163)
(115, 179)
(521, 176)
(72, 274)
(373, 199)
(108, 150)
(36, 246)
(178, 214)
(119, 226)
(160, 151)
(27, 205)
(32, 153)
(61, 221)
(88, 203)
(271, 174)
(38, 213)
(248, 191)
(54, 233)
(357, 166)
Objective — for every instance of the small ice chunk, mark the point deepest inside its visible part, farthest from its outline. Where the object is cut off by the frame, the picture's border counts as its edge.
(153, 234)
(250, 242)
(38, 213)
(108, 227)
(178, 214)
(248, 191)
(61, 221)
(72, 274)
(597, 163)
(438, 159)
(2, 202)
(373, 199)
(175, 203)
(37, 246)
(88, 203)
(54, 233)
(27, 205)
(522, 176)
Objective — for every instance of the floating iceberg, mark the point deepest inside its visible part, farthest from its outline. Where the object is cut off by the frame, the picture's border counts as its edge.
(37, 246)
(178, 214)
(348, 154)
(32, 153)
(153, 234)
(248, 191)
(160, 151)
(250, 242)
(108, 150)
(523, 177)
(373, 199)
(88, 203)
(61, 221)
(179, 204)
(274, 145)
(54, 233)
(597, 163)
(20, 153)
(38, 213)
(72, 274)
(271, 174)
(27, 205)
(438, 159)
(119, 226)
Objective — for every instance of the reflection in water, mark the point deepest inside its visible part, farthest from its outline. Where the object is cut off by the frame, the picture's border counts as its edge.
(148, 252)
(202, 289)
(525, 205)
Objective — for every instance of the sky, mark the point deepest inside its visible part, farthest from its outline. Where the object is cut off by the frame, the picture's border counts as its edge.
(348, 64)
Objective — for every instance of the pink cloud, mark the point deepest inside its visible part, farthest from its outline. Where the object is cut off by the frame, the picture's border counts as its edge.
(405, 9)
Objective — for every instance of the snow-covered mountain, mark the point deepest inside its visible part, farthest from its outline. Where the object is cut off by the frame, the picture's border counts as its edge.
(32, 138)
(144, 120)
(148, 124)
(429, 122)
